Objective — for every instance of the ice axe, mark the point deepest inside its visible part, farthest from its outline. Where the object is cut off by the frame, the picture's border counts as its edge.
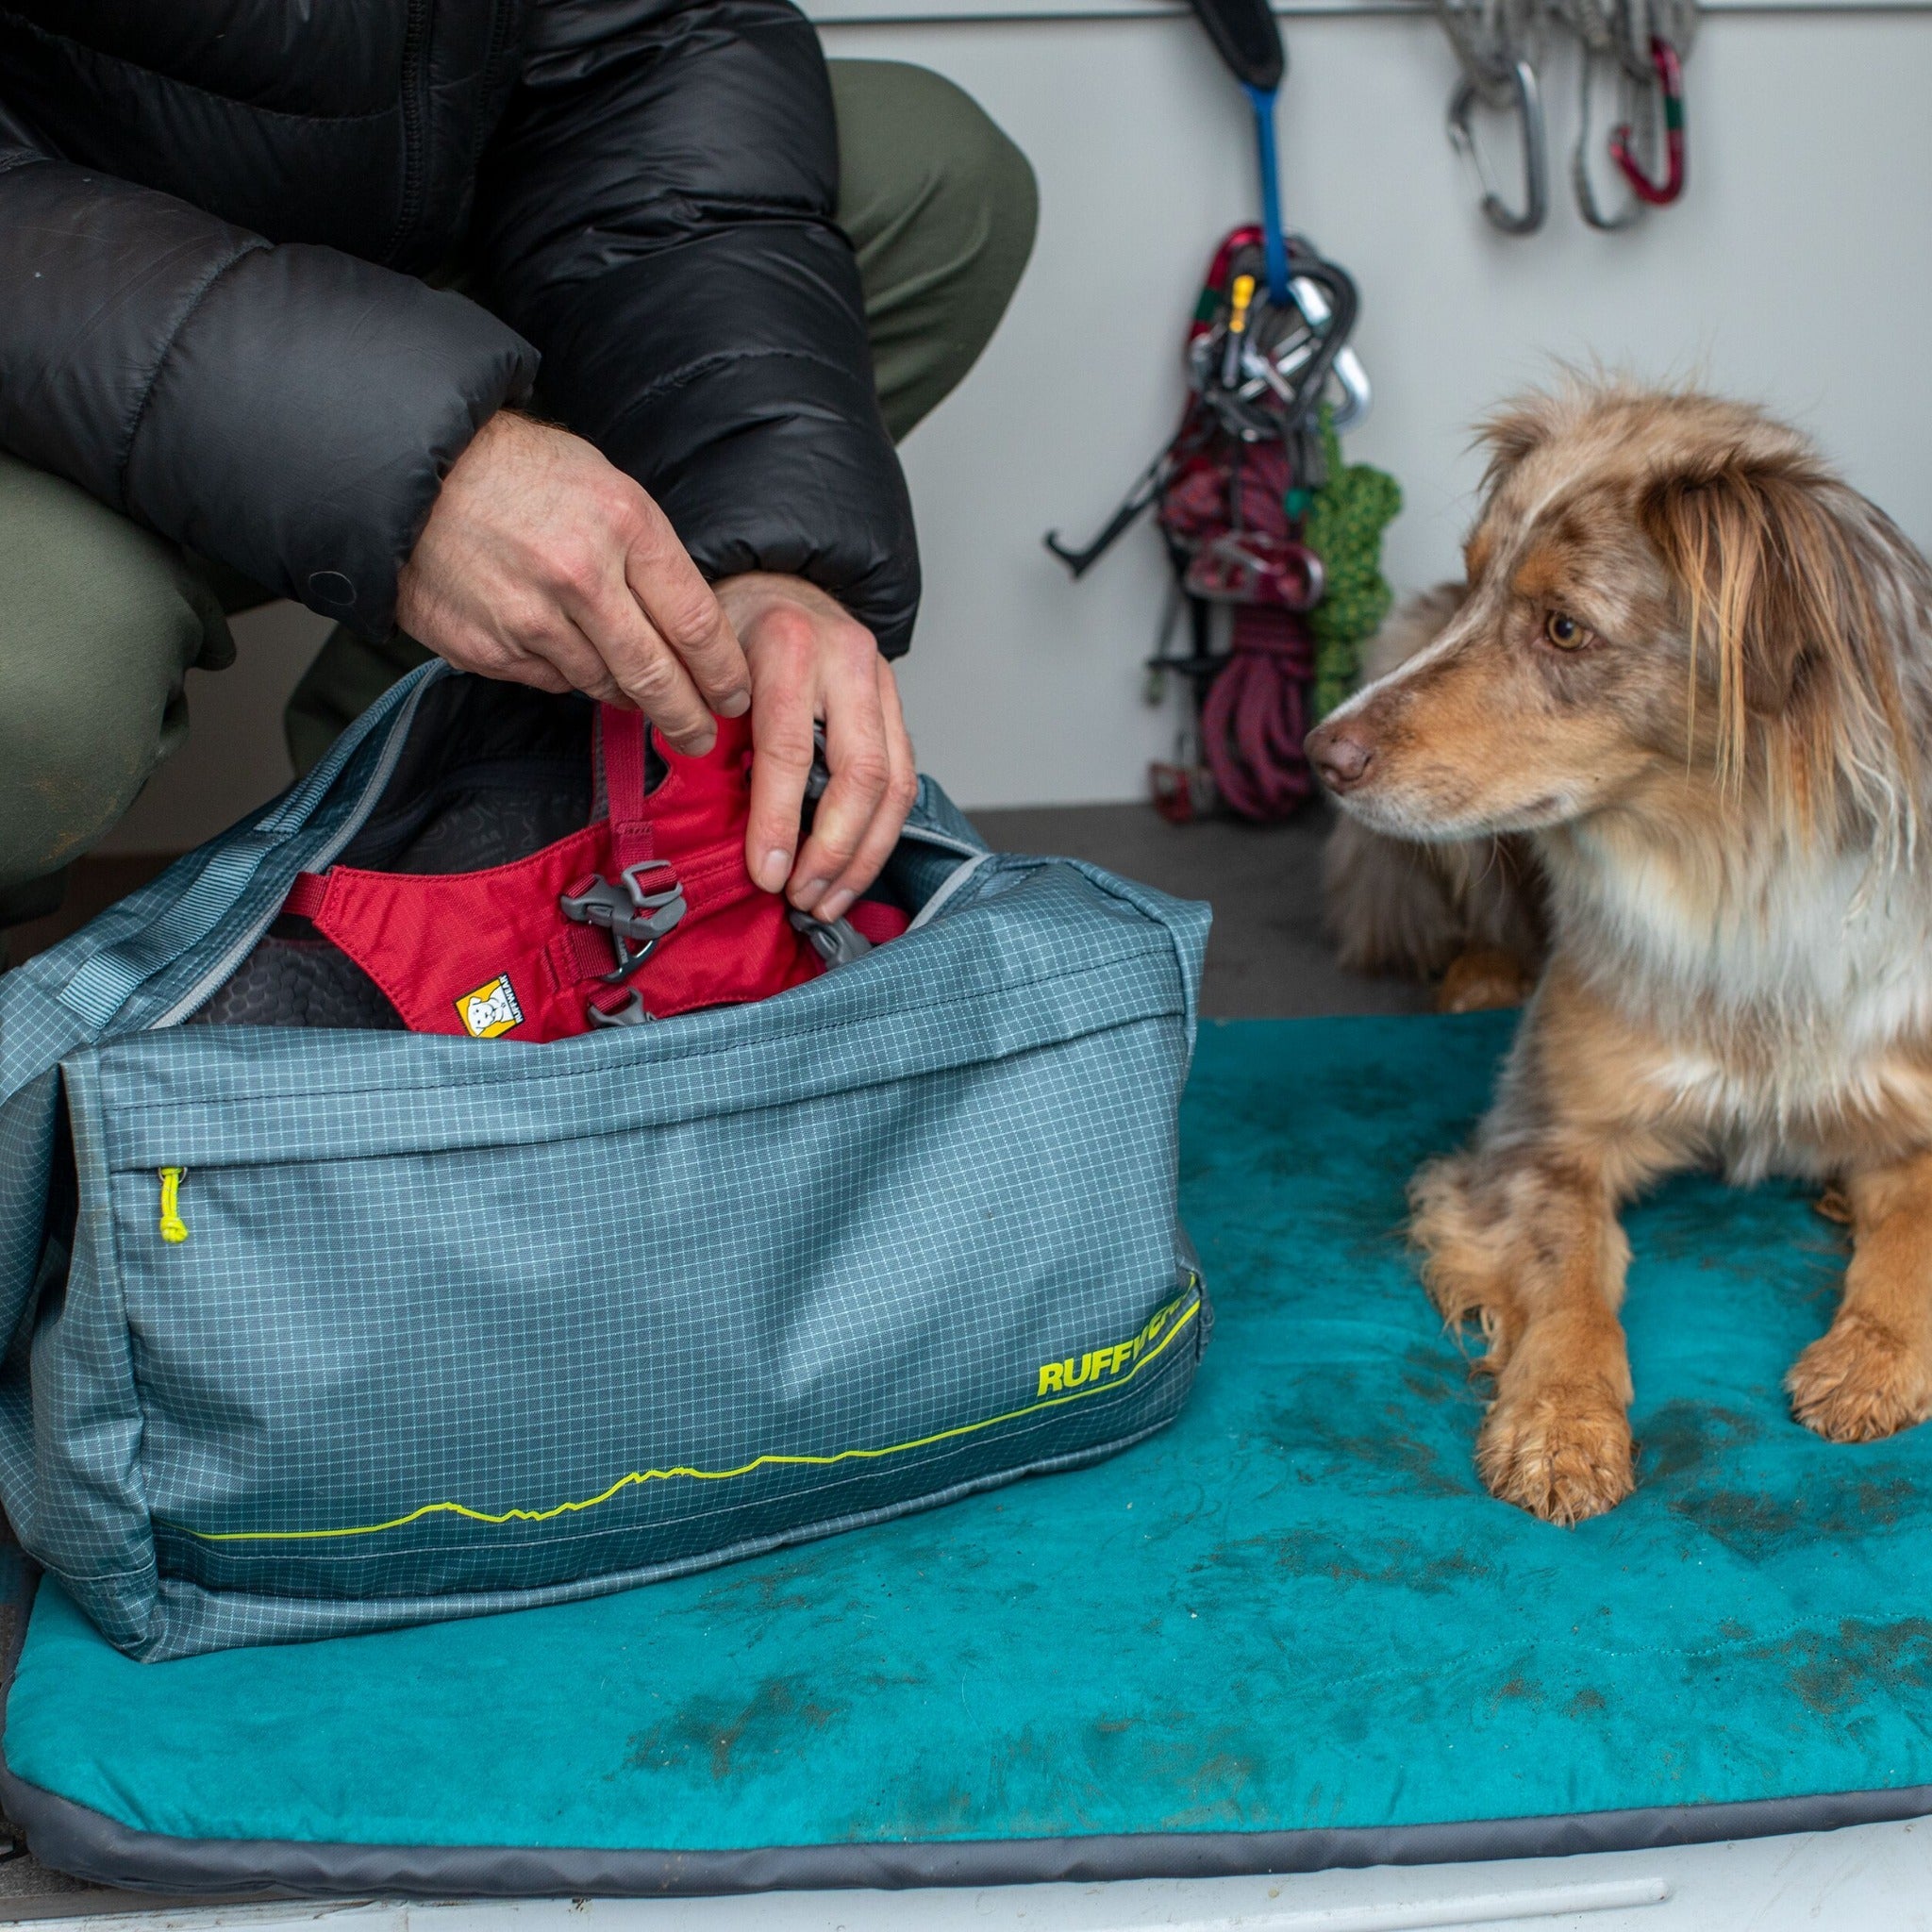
(1246, 38)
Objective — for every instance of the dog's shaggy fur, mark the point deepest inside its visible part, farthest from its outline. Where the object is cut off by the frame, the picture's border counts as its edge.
(1694, 669)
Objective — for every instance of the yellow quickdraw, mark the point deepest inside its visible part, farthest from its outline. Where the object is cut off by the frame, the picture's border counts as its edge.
(172, 1228)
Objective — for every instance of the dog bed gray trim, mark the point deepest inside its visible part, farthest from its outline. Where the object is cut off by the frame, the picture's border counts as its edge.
(83, 1843)
(88, 1845)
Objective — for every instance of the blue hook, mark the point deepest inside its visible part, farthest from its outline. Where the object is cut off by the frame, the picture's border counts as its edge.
(1274, 242)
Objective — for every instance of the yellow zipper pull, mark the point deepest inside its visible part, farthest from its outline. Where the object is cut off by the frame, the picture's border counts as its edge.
(172, 1228)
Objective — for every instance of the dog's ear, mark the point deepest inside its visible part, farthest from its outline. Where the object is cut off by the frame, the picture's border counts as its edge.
(1768, 574)
(1514, 430)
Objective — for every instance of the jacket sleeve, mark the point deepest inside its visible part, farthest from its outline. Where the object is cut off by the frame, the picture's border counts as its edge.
(658, 215)
(288, 410)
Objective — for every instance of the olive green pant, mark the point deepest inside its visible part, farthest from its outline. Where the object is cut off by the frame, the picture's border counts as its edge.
(100, 622)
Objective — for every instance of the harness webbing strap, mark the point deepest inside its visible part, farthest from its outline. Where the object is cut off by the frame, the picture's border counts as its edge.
(306, 895)
(622, 738)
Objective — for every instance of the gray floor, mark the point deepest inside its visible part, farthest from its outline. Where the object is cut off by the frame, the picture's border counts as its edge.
(1266, 958)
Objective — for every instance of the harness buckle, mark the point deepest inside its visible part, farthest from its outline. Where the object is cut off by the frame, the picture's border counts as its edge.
(837, 941)
(630, 1012)
(635, 918)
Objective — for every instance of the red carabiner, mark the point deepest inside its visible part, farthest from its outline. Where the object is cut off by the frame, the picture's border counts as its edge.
(1670, 80)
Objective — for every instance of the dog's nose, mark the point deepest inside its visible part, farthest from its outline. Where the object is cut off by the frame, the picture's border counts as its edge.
(1339, 755)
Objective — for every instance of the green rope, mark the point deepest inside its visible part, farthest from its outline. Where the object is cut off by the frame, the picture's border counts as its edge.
(1343, 528)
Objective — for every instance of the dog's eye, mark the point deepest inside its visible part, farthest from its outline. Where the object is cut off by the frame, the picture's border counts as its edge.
(1565, 632)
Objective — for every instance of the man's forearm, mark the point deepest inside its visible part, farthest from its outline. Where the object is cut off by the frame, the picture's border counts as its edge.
(289, 410)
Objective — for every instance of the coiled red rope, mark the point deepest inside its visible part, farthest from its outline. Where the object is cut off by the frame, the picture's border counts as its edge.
(1255, 714)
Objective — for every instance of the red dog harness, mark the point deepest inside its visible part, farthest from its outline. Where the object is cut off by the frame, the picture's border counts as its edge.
(647, 912)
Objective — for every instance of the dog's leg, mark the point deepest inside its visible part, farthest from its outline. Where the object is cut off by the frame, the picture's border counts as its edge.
(1455, 1219)
(1534, 1250)
(1870, 1373)
(1521, 1230)
(1556, 1441)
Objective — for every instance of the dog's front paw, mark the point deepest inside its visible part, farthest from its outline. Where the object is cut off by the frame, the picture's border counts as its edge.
(1563, 1453)
(1483, 981)
(1860, 1381)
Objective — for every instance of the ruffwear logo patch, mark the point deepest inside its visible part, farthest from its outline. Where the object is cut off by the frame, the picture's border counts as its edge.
(493, 1008)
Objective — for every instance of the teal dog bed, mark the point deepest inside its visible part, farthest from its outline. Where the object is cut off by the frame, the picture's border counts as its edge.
(1292, 1631)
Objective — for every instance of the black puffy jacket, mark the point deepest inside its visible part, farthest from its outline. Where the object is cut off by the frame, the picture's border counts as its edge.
(213, 216)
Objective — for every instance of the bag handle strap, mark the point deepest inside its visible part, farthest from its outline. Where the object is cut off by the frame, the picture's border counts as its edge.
(107, 982)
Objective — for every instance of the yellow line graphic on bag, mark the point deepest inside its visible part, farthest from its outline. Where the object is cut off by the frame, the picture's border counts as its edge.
(1165, 1323)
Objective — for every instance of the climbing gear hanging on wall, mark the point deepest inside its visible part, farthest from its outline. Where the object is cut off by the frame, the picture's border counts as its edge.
(1254, 453)
(1670, 76)
(1254, 465)
(1500, 46)
(1643, 44)
(1343, 528)
(1527, 103)
(1246, 38)
(1599, 48)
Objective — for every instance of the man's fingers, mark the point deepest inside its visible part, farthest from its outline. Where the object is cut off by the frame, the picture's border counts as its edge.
(572, 653)
(684, 612)
(888, 820)
(781, 721)
(534, 672)
(556, 657)
(643, 669)
(856, 751)
(533, 539)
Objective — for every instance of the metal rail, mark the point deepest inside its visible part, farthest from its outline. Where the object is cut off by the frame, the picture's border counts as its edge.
(843, 13)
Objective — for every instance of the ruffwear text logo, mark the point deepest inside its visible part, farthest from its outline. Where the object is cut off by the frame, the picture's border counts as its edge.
(1104, 1364)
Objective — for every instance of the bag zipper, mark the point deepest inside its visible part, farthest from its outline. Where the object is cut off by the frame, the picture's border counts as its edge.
(959, 876)
(174, 1229)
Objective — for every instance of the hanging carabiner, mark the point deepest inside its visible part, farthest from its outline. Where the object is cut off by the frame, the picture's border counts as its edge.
(1357, 397)
(1536, 184)
(1587, 203)
(1670, 82)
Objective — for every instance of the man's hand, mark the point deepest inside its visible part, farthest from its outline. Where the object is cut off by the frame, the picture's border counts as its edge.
(810, 659)
(544, 565)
